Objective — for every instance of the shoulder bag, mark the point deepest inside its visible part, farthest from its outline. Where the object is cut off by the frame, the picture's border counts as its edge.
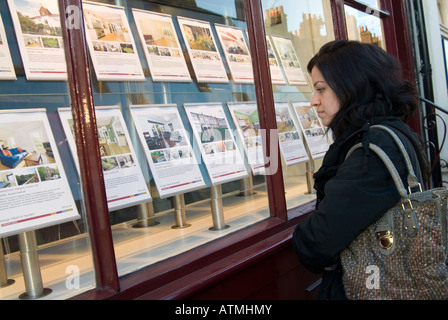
(403, 256)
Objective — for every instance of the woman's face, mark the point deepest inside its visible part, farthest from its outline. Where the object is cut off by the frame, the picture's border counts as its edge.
(324, 99)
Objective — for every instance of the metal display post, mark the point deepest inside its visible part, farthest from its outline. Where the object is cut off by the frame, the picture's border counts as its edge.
(309, 176)
(179, 212)
(30, 267)
(145, 216)
(217, 208)
(247, 186)
(4, 281)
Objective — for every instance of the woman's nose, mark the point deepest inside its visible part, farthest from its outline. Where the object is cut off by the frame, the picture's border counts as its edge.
(314, 100)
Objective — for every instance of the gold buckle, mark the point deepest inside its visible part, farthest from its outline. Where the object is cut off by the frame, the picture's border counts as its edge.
(386, 239)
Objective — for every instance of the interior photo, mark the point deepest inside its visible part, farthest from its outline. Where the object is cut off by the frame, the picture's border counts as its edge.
(24, 144)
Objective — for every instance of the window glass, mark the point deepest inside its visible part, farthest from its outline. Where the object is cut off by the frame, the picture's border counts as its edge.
(366, 27)
(42, 216)
(371, 3)
(178, 126)
(295, 32)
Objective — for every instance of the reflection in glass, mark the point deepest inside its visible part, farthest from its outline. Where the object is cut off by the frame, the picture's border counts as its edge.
(364, 27)
(308, 23)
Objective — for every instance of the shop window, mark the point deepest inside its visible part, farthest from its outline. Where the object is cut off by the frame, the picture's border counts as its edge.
(295, 32)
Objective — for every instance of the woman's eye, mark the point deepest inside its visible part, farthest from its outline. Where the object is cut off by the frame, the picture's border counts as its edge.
(320, 90)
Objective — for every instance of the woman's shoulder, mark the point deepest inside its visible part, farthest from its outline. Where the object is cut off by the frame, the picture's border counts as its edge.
(384, 135)
(408, 139)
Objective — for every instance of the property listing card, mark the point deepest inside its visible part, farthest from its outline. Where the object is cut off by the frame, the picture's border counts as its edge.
(292, 147)
(245, 117)
(221, 156)
(6, 66)
(34, 190)
(312, 129)
(274, 65)
(236, 52)
(288, 57)
(203, 51)
(39, 35)
(123, 178)
(162, 49)
(111, 44)
(168, 150)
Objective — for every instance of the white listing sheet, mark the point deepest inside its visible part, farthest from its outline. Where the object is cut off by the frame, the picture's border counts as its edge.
(111, 44)
(219, 150)
(203, 51)
(162, 49)
(245, 117)
(288, 57)
(168, 150)
(123, 178)
(292, 147)
(237, 53)
(312, 129)
(34, 190)
(39, 35)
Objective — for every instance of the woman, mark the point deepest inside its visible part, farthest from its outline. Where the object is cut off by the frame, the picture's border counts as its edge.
(356, 86)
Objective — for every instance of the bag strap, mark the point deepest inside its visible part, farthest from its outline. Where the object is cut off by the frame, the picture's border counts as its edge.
(412, 179)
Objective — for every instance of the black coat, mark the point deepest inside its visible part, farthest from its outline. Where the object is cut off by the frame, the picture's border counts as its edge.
(351, 193)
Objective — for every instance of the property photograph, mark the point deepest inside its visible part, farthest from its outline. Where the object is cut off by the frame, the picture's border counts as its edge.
(109, 164)
(26, 176)
(126, 161)
(7, 179)
(210, 123)
(158, 33)
(162, 129)
(48, 173)
(24, 144)
(199, 38)
(284, 120)
(111, 136)
(38, 18)
(309, 121)
(106, 25)
(233, 41)
(158, 156)
(247, 119)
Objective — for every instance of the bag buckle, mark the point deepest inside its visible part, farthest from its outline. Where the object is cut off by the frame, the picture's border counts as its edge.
(386, 239)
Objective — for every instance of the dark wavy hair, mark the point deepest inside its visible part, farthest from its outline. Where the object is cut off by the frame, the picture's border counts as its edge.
(367, 81)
